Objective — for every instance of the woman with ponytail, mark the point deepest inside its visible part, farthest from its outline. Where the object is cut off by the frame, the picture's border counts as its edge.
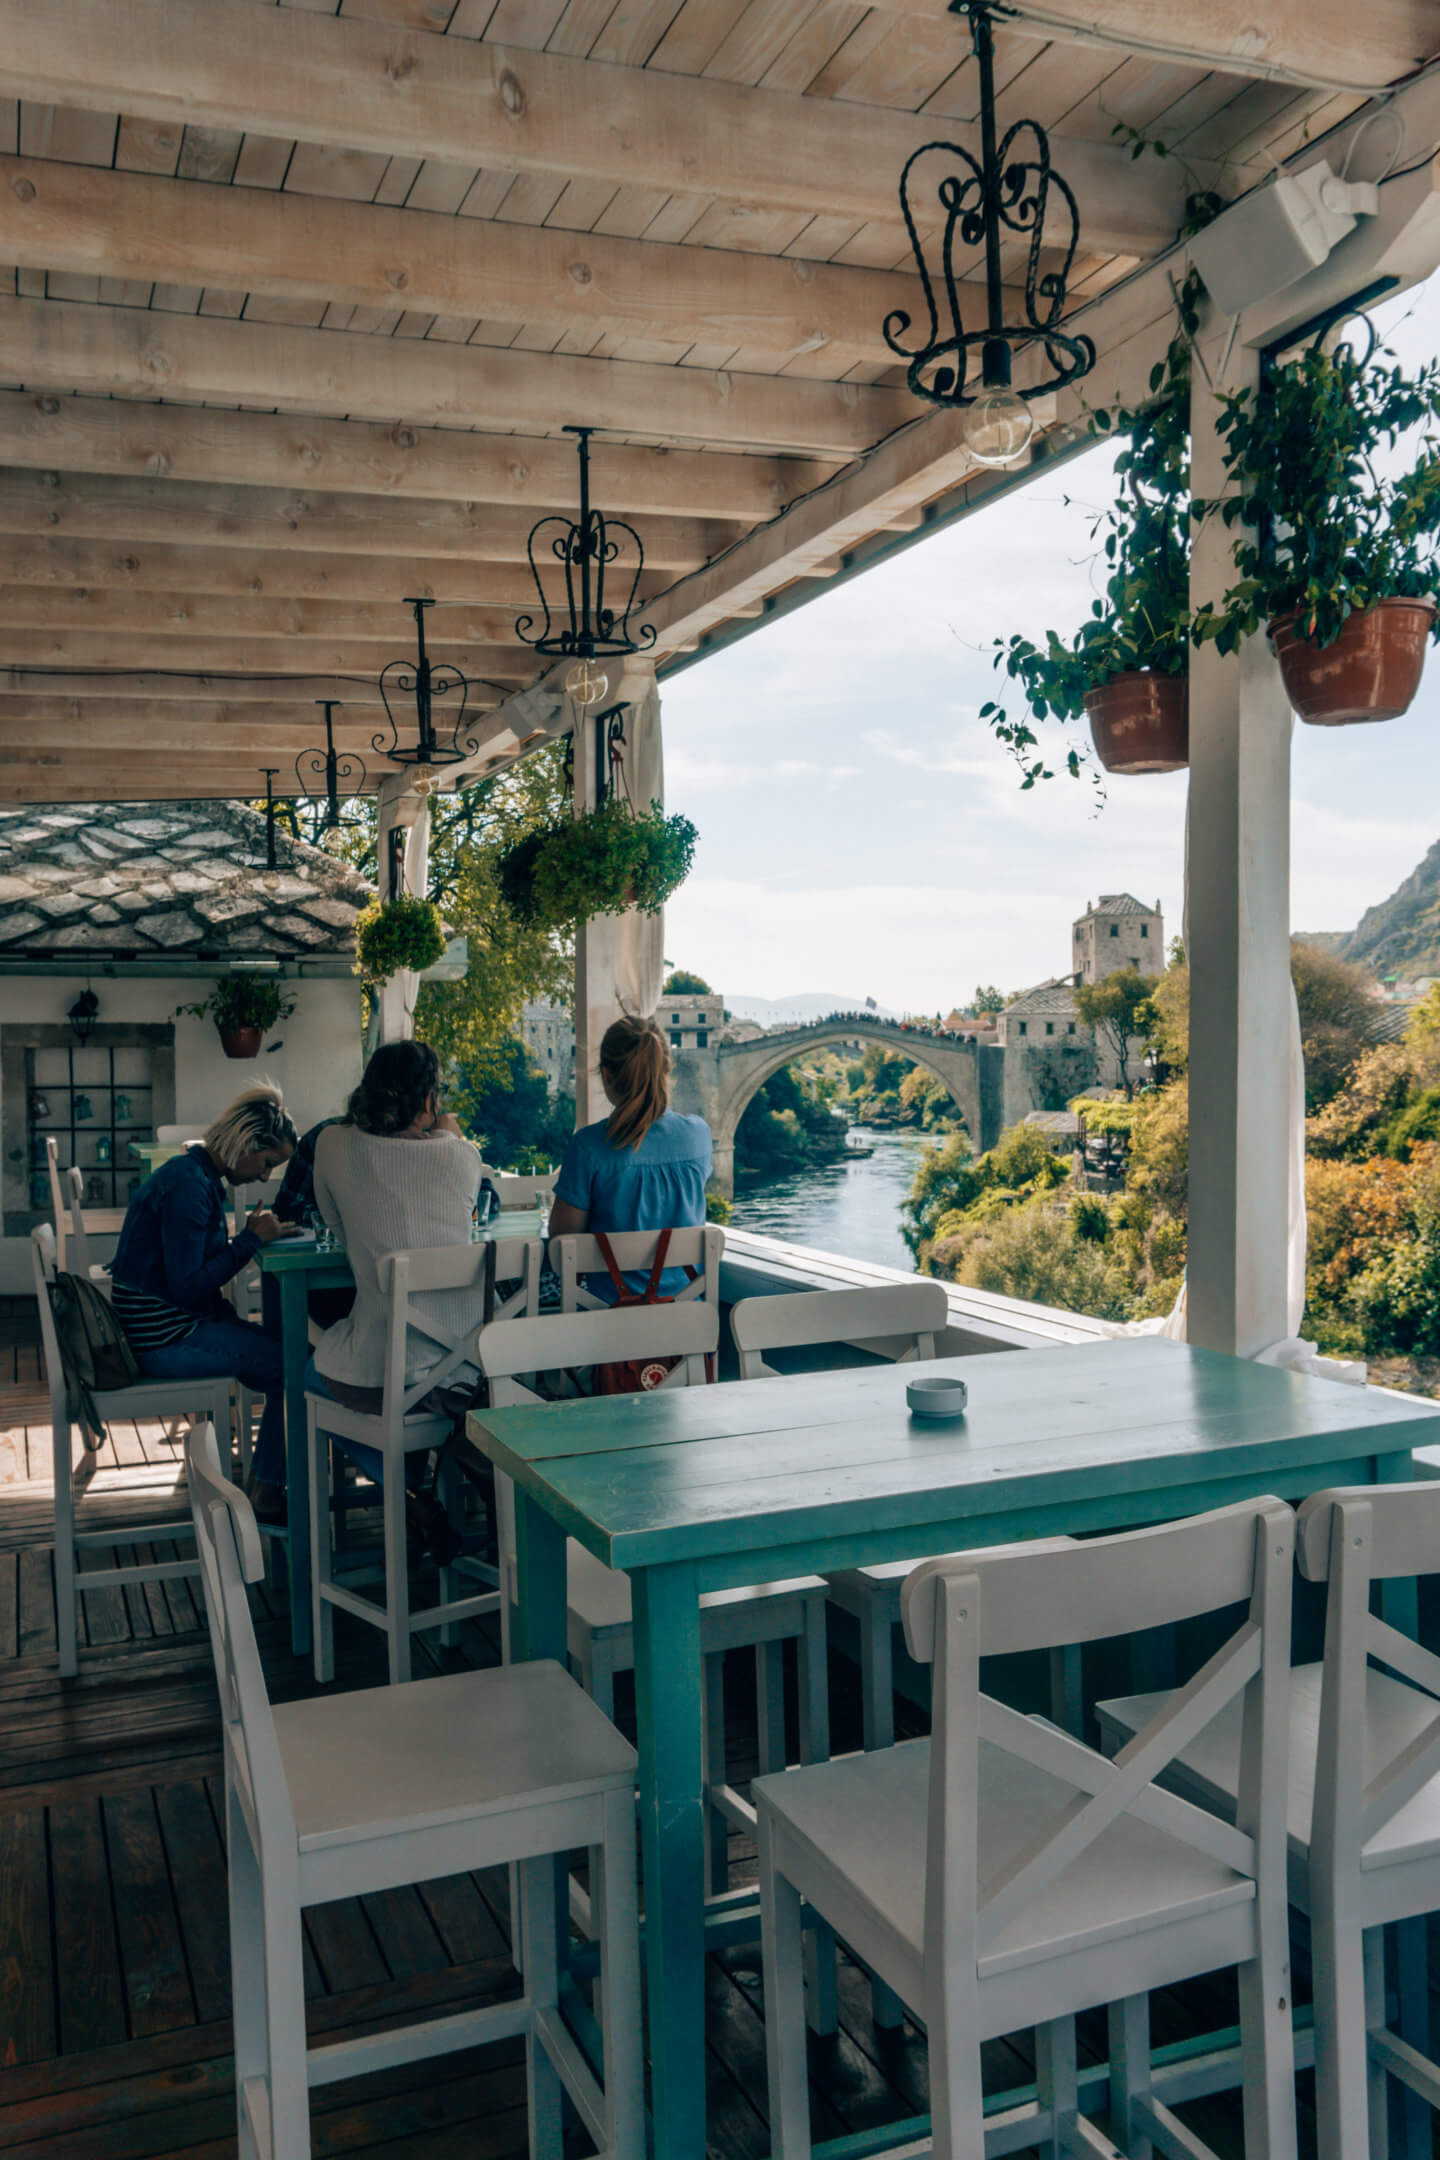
(642, 1168)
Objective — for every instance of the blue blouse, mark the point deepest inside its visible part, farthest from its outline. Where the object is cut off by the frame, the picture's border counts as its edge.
(659, 1184)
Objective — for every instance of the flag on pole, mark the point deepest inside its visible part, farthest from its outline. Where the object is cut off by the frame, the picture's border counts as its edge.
(871, 1006)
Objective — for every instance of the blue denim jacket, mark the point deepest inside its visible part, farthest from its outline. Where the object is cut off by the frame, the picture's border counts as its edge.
(176, 1240)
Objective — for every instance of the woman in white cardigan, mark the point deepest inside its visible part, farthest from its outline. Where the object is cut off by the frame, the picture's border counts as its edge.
(394, 1176)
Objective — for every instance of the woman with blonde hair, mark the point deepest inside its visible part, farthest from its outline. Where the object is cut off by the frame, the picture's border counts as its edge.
(645, 1166)
(176, 1254)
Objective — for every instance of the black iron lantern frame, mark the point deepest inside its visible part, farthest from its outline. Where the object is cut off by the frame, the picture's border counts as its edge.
(592, 629)
(83, 1015)
(322, 774)
(1010, 189)
(425, 681)
(271, 864)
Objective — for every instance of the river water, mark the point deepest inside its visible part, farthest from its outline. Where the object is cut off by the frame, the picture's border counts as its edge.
(851, 1208)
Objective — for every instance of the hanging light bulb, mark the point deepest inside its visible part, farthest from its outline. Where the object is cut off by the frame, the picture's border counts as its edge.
(998, 428)
(585, 684)
(332, 840)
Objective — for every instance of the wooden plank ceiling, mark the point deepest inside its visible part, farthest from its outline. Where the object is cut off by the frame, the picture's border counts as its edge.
(300, 298)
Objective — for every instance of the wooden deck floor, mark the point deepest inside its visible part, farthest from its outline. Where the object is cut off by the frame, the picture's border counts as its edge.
(114, 1978)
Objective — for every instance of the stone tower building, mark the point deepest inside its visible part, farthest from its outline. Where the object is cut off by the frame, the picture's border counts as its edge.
(1118, 931)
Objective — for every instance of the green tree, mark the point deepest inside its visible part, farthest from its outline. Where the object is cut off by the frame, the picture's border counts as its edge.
(680, 982)
(514, 1118)
(1338, 1014)
(987, 999)
(472, 1024)
(787, 1124)
(1118, 1008)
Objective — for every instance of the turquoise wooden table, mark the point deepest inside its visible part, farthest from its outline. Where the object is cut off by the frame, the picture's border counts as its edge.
(707, 1488)
(290, 1269)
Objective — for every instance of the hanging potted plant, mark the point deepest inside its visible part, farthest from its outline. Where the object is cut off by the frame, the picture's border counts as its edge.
(244, 1008)
(1336, 550)
(599, 863)
(393, 934)
(1126, 667)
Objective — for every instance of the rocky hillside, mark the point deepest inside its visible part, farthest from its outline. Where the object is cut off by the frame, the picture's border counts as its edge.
(1402, 935)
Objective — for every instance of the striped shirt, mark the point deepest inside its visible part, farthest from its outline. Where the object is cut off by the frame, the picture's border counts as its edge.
(150, 1323)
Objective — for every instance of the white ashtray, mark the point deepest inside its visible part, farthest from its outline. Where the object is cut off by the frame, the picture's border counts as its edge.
(937, 1398)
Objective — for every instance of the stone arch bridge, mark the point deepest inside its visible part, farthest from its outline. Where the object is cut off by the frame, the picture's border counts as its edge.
(717, 1084)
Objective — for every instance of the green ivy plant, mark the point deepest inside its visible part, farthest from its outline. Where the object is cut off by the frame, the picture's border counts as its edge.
(1325, 527)
(393, 934)
(599, 863)
(242, 1001)
(1143, 618)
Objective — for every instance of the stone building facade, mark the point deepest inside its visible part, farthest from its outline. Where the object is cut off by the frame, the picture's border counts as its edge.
(1117, 931)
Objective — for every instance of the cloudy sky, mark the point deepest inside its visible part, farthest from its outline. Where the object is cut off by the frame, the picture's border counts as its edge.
(861, 832)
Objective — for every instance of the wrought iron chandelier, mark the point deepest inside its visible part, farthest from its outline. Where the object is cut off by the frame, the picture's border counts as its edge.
(322, 773)
(1009, 189)
(591, 631)
(425, 681)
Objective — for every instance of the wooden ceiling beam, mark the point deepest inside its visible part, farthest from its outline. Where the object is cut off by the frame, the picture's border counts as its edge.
(142, 353)
(132, 514)
(190, 615)
(391, 88)
(48, 784)
(39, 429)
(1367, 47)
(276, 732)
(92, 222)
(276, 658)
(46, 687)
(274, 573)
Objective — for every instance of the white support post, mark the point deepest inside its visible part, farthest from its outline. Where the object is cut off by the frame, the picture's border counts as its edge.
(1238, 947)
(401, 808)
(618, 958)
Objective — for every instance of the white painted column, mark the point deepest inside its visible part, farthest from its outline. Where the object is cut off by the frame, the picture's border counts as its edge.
(1239, 953)
(618, 958)
(401, 807)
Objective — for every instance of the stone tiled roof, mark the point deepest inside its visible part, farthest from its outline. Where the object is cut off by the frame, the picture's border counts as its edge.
(167, 880)
(1118, 903)
(1051, 1000)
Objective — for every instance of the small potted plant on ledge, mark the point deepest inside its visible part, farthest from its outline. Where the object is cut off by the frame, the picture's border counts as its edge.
(599, 863)
(1126, 667)
(244, 1008)
(1337, 532)
(393, 934)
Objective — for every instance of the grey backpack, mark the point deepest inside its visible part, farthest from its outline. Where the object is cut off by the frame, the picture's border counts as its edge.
(93, 1348)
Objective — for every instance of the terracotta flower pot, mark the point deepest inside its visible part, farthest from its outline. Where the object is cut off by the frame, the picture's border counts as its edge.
(240, 1042)
(1371, 672)
(1140, 722)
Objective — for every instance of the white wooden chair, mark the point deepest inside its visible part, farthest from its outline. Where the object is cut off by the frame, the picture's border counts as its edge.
(1001, 1875)
(67, 1193)
(146, 1399)
(600, 1633)
(78, 1258)
(577, 1257)
(1365, 1743)
(401, 1427)
(367, 1791)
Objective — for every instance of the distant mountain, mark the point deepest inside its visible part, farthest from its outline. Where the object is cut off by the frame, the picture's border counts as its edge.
(1402, 935)
(804, 1005)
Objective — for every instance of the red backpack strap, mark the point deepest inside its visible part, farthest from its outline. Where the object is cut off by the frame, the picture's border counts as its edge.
(657, 1269)
(624, 1295)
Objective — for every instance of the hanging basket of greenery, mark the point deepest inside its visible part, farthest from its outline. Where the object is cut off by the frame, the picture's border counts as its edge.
(395, 934)
(599, 863)
(1126, 668)
(1337, 542)
(244, 1008)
